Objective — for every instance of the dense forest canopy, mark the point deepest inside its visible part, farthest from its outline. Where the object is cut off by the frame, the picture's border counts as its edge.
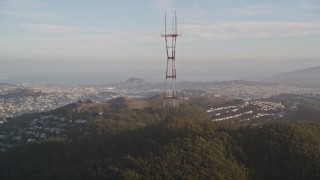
(179, 143)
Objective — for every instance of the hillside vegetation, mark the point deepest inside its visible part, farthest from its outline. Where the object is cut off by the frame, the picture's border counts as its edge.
(180, 143)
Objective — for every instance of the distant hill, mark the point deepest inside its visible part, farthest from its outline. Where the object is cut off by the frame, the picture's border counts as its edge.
(21, 93)
(305, 78)
(136, 82)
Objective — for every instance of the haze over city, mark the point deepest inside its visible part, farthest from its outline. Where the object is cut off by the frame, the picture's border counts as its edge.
(105, 41)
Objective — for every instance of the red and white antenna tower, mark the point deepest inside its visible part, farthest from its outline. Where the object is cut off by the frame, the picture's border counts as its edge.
(170, 92)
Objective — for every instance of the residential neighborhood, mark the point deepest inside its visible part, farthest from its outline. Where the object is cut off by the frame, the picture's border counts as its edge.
(34, 129)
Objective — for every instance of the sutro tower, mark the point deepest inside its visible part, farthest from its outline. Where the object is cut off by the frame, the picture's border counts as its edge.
(170, 92)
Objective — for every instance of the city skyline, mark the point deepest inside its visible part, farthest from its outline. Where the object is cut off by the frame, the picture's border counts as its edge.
(125, 30)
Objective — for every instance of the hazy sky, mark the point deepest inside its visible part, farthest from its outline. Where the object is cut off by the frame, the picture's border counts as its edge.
(130, 29)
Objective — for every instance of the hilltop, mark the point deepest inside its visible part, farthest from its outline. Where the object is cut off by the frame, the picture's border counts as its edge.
(135, 82)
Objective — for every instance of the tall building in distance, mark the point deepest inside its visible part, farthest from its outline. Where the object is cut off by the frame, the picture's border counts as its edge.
(170, 92)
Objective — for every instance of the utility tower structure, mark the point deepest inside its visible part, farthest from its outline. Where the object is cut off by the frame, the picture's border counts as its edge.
(170, 92)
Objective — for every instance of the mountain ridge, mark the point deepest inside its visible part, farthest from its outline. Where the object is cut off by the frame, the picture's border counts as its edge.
(308, 77)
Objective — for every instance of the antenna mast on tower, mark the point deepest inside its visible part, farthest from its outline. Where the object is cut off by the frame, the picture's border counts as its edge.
(170, 92)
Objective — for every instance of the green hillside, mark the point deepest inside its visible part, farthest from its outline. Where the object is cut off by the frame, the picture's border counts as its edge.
(181, 143)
